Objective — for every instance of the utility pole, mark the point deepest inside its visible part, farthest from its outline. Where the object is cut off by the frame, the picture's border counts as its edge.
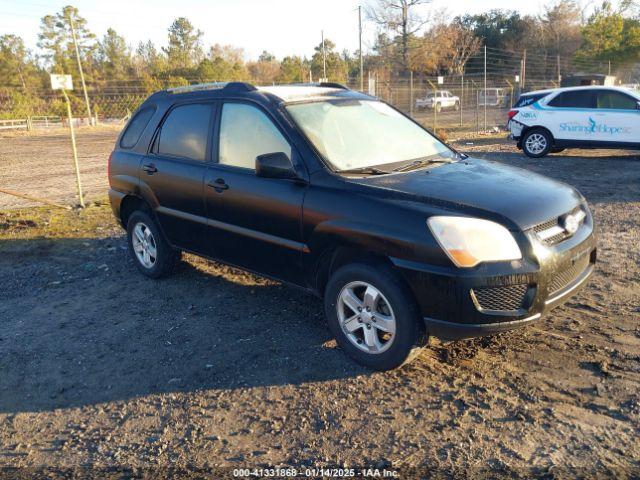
(609, 67)
(523, 75)
(324, 59)
(559, 76)
(360, 48)
(485, 88)
(84, 86)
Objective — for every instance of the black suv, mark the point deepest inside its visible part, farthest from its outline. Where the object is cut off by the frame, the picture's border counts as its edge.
(338, 193)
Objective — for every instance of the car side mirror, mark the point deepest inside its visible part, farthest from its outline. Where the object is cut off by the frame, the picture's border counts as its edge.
(274, 165)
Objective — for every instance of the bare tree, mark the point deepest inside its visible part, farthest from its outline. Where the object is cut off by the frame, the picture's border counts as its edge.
(399, 19)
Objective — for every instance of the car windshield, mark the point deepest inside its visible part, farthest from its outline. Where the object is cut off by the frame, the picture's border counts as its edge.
(353, 134)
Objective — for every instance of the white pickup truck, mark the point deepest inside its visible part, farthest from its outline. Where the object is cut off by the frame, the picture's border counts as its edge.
(439, 100)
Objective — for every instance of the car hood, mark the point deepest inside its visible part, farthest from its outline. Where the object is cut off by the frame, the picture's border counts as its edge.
(473, 186)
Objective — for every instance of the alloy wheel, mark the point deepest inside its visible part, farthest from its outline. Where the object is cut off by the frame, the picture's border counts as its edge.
(536, 143)
(366, 317)
(144, 245)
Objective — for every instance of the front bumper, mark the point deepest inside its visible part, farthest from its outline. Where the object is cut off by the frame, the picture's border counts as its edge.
(492, 298)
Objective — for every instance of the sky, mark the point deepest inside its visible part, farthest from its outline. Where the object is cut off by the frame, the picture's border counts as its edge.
(282, 27)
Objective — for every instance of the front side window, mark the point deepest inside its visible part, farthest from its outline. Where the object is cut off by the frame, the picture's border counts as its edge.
(362, 133)
(574, 99)
(616, 100)
(245, 133)
(185, 131)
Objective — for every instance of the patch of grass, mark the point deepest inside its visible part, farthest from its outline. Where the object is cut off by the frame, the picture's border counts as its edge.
(96, 220)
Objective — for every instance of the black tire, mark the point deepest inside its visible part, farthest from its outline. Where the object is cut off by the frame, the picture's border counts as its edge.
(166, 257)
(537, 133)
(410, 332)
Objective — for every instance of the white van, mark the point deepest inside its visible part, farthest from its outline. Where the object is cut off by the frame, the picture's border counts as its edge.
(547, 121)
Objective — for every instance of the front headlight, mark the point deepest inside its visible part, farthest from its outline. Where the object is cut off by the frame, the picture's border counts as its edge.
(470, 241)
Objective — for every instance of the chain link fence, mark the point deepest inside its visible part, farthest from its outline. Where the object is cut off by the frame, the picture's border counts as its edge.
(466, 106)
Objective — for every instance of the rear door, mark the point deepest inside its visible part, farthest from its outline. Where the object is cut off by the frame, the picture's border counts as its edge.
(570, 115)
(255, 222)
(174, 173)
(617, 117)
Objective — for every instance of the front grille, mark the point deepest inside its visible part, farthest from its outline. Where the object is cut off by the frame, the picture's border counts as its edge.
(556, 224)
(507, 298)
(564, 278)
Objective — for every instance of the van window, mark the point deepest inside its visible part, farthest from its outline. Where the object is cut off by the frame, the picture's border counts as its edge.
(574, 99)
(616, 100)
(245, 133)
(185, 131)
(136, 126)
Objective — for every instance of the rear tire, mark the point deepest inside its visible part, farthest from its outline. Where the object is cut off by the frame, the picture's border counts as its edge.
(537, 143)
(386, 330)
(151, 253)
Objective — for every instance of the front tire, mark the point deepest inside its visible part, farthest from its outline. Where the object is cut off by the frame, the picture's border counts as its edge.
(148, 248)
(373, 317)
(537, 143)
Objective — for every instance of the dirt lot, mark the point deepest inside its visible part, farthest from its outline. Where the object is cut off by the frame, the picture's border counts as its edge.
(102, 368)
(41, 164)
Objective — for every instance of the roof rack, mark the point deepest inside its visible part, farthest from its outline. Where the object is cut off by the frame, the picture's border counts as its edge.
(227, 86)
(333, 85)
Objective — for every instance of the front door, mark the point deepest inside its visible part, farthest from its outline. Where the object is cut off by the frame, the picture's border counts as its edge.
(255, 222)
(617, 117)
(174, 173)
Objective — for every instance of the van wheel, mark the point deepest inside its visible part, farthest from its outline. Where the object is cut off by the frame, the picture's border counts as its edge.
(151, 253)
(537, 143)
(373, 316)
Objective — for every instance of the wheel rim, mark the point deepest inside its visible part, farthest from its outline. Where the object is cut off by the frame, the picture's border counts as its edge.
(366, 317)
(536, 143)
(144, 245)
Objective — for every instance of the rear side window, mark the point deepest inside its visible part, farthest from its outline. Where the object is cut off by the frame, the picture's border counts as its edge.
(616, 100)
(526, 100)
(136, 127)
(185, 131)
(574, 99)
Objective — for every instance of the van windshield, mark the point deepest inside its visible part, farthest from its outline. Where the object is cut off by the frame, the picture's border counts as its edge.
(352, 134)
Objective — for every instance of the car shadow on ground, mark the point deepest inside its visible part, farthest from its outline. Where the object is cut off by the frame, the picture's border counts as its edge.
(80, 325)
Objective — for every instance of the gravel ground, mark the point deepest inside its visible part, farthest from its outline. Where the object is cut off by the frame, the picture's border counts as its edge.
(101, 368)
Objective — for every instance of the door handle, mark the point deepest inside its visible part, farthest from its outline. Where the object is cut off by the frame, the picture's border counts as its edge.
(150, 168)
(219, 185)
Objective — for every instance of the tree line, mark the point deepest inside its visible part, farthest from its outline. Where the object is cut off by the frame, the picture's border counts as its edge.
(426, 45)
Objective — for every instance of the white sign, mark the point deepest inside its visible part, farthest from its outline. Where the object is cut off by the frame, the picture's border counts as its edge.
(440, 80)
(61, 82)
(517, 78)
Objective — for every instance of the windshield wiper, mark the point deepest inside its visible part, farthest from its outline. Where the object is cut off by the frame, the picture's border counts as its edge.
(420, 162)
(365, 170)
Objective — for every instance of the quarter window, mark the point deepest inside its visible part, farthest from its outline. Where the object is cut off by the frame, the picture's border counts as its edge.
(616, 100)
(245, 133)
(185, 131)
(136, 127)
(574, 99)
